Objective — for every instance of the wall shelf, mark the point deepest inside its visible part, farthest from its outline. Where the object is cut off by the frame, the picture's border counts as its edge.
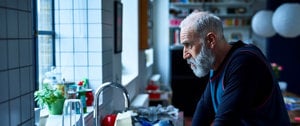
(195, 5)
(236, 16)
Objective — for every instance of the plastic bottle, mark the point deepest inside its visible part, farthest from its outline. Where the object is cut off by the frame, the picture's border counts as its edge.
(82, 96)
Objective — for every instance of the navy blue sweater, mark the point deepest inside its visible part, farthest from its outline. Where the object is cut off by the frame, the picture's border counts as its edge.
(242, 92)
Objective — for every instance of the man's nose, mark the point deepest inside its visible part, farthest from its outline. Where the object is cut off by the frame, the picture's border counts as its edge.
(186, 54)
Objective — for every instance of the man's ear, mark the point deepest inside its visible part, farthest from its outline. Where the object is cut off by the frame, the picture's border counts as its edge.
(211, 40)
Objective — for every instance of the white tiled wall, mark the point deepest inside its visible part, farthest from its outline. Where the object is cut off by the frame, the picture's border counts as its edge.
(85, 42)
(79, 40)
(17, 63)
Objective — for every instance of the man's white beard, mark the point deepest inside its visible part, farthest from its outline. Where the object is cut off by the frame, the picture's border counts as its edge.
(203, 62)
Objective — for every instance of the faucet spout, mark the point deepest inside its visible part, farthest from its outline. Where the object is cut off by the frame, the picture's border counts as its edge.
(98, 92)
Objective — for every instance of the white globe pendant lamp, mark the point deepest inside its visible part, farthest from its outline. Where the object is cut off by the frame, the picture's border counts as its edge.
(286, 20)
(262, 23)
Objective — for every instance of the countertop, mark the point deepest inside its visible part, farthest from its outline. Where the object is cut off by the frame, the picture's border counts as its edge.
(56, 120)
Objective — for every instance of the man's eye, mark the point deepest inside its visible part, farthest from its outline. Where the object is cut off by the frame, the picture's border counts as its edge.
(189, 46)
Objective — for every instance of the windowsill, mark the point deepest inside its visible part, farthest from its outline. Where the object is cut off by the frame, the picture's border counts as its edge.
(56, 120)
(149, 64)
(149, 57)
(127, 78)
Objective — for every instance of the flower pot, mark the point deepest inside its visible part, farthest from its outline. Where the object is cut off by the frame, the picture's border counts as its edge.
(56, 108)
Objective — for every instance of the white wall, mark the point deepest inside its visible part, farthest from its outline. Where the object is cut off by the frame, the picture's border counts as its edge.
(161, 39)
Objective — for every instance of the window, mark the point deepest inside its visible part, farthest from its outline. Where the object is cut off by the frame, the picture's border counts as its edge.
(130, 41)
(45, 37)
(69, 37)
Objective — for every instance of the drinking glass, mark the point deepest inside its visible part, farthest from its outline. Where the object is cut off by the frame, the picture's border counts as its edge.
(71, 116)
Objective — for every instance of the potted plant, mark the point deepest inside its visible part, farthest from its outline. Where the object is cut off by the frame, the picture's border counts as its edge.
(52, 98)
(277, 69)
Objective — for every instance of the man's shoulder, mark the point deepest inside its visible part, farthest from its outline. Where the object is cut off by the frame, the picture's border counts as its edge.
(240, 47)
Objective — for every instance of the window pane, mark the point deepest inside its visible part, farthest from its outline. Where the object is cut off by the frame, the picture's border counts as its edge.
(45, 15)
(45, 54)
(45, 40)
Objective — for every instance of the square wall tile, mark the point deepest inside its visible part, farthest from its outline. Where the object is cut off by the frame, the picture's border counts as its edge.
(66, 31)
(14, 83)
(80, 4)
(3, 24)
(4, 86)
(13, 53)
(94, 84)
(25, 80)
(15, 112)
(94, 45)
(23, 5)
(95, 4)
(65, 17)
(95, 73)
(32, 104)
(3, 54)
(57, 24)
(56, 4)
(57, 59)
(80, 16)
(32, 78)
(12, 3)
(80, 30)
(80, 45)
(65, 4)
(4, 114)
(68, 73)
(80, 73)
(80, 59)
(66, 45)
(67, 59)
(95, 59)
(94, 16)
(25, 58)
(57, 44)
(12, 24)
(95, 30)
(23, 25)
(31, 51)
(26, 107)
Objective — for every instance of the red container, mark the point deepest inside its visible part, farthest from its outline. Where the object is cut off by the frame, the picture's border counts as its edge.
(109, 120)
(154, 95)
(153, 91)
(89, 97)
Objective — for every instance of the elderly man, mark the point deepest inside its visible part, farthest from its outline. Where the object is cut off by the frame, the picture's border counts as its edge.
(242, 89)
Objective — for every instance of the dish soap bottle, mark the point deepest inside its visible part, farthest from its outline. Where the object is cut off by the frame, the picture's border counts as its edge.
(82, 96)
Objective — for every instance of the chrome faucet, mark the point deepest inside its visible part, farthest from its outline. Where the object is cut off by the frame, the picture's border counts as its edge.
(98, 92)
